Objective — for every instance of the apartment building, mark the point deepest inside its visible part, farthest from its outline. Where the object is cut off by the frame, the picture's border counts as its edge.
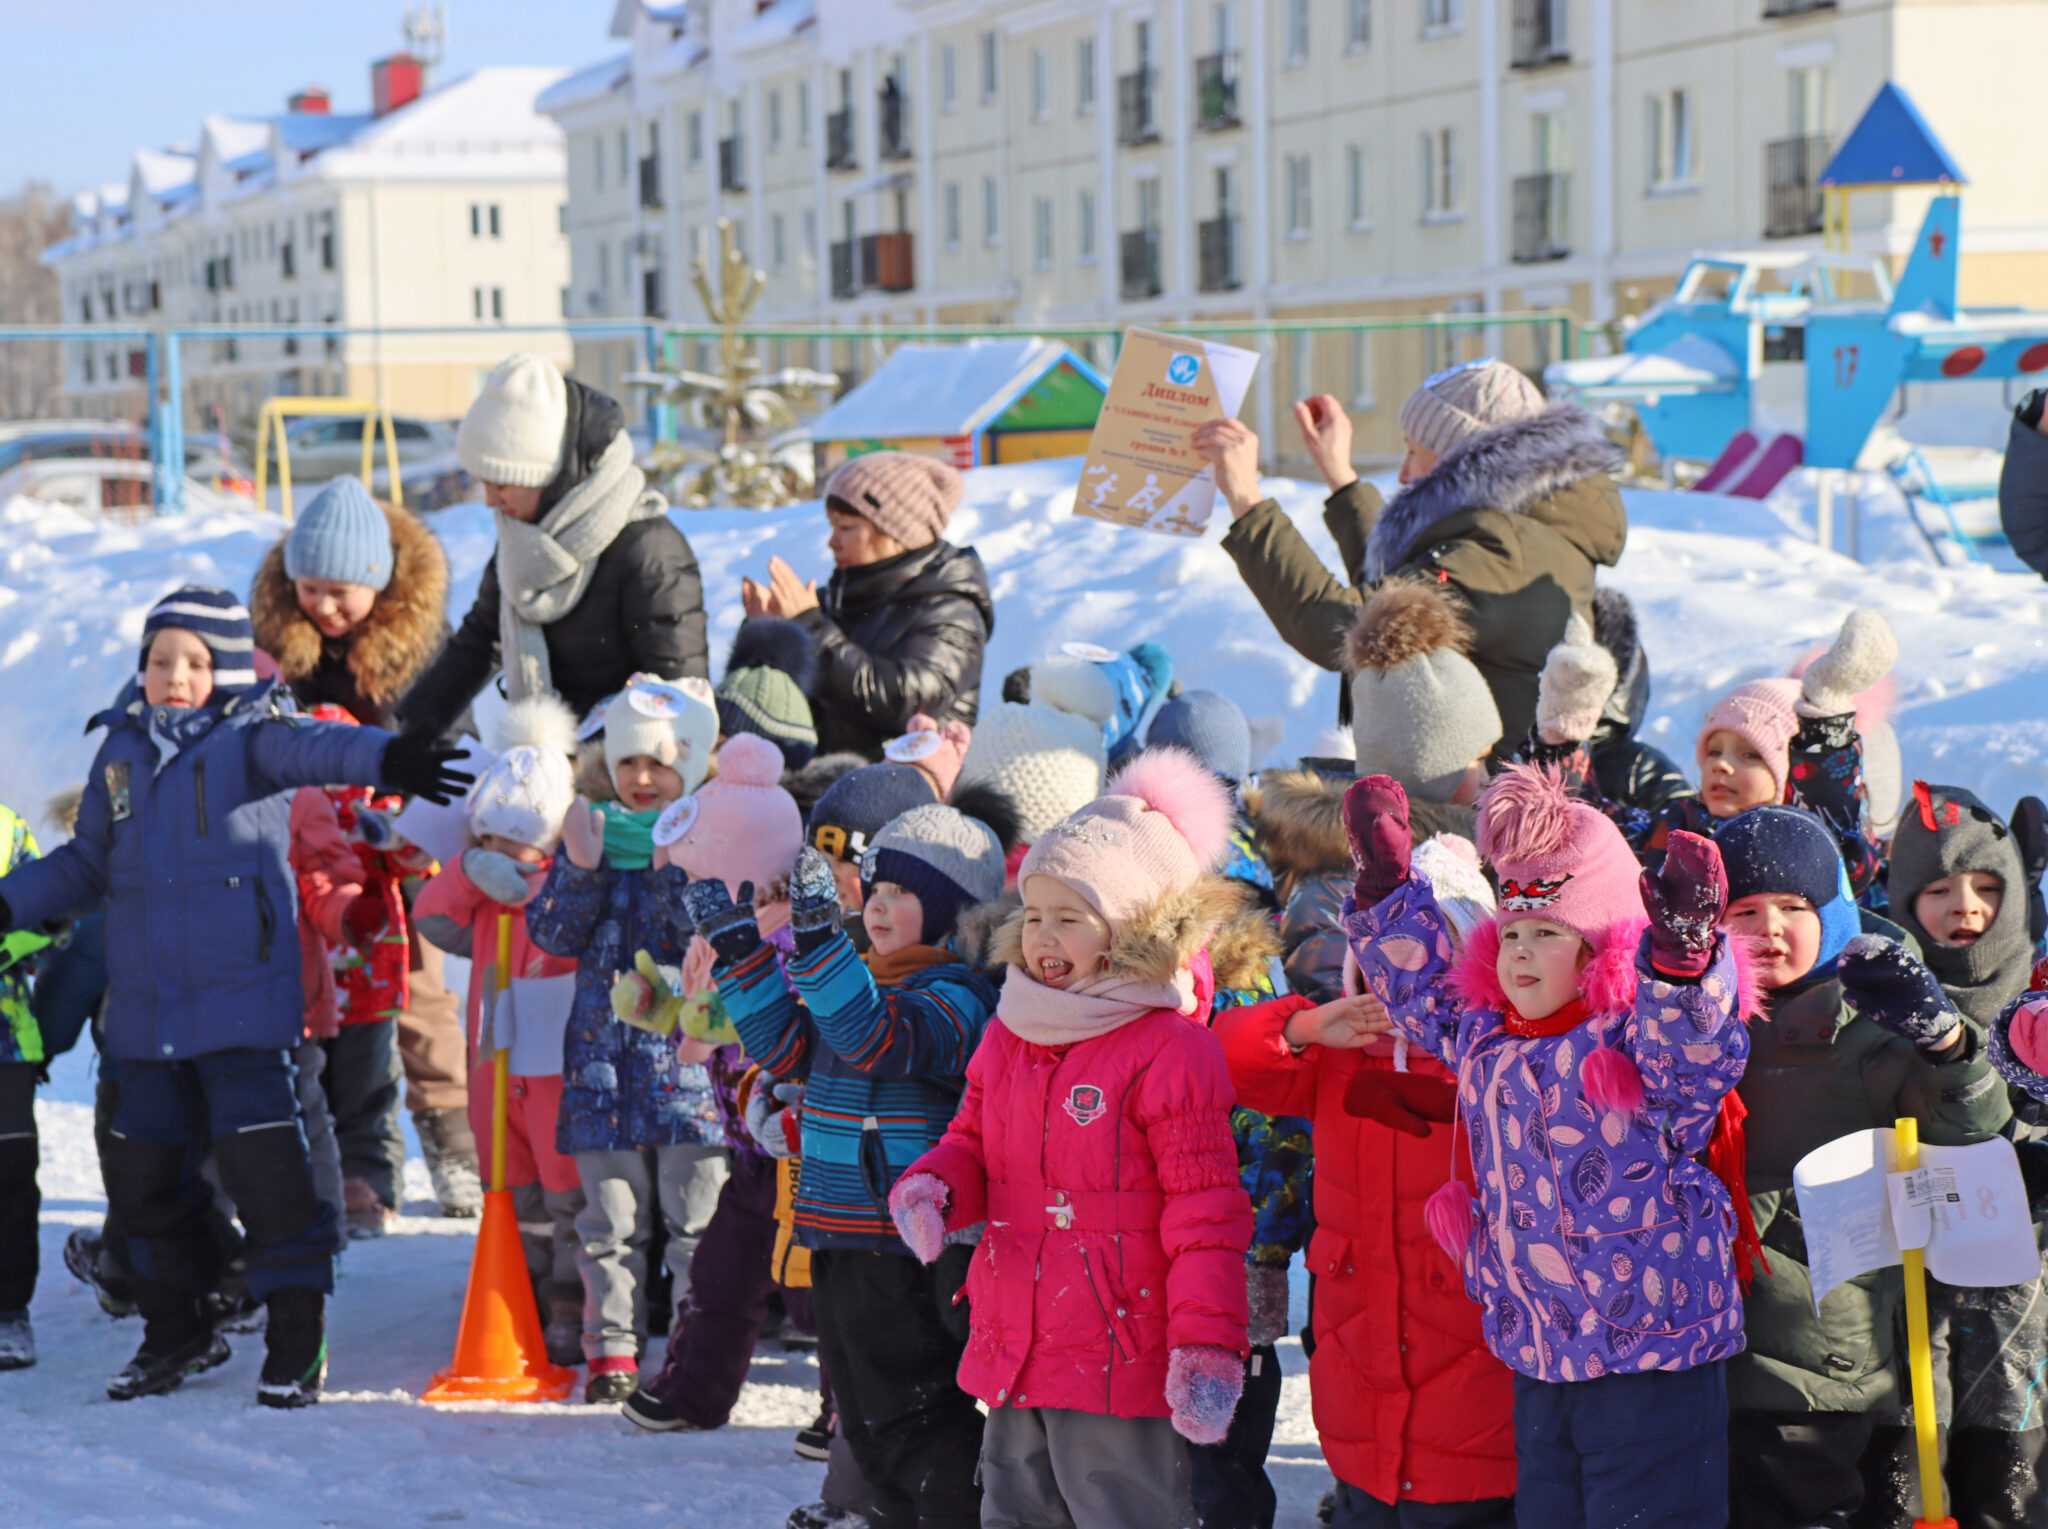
(430, 208)
(1052, 162)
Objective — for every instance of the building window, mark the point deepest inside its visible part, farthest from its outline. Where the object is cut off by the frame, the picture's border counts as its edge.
(778, 241)
(1670, 139)
(1440, 173)
(1440, 16)
(476, 303)
(1041, 85)
(625, 157)
(952, 214)
(498, 304)
(1297, 32)
(810, 232)
(1084, 77)
(1041, 233)
(497, 228)
(1361, 369)
(476, 220)
(990, 63)
(949, 77)
(604, 266)
(774, 119)
(1357, 206)
(803, 111)
(1300, 214)
(1084, 224)
(1357, 24)
(693, 138)
(991, 211)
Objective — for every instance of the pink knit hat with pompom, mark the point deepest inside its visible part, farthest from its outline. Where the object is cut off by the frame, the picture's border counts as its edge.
(1761, 714)
(745, 827)
(1557, 858)
(1162, 824)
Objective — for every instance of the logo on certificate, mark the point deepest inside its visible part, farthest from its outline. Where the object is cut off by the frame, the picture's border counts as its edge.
(1183, 369)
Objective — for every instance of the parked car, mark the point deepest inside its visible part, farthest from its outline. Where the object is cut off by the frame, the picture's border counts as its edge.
(207, 459)
(113, 488)
(326, 446)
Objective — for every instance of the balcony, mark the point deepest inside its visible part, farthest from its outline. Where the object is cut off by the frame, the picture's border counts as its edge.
(650, 181)
(1137, 113)
(1539, 36)
(1792, 195)
(845, 268)
(874, 263)
(1138, 263)
(1542, 225)
(1216, 93)
(732, 165)
(839, 140)
(1777, 9)
(1217, 239)
(896, 143)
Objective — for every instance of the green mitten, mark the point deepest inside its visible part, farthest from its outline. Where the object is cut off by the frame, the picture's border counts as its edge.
(705, 1019)
(647, 997)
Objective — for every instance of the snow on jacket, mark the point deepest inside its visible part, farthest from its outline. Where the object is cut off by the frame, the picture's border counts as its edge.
(1106, 1173)
(194, 862)
(1599, 1241)
(454, 915)
(328, 878)
(883, 1066)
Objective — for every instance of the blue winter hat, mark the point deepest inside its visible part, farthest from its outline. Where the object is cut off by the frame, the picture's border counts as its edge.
(219, 620)
(343, 535)
(1782, 849)
(1210, 727)
(861, 803)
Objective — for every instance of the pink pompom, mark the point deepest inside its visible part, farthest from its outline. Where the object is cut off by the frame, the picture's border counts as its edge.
(1173, 783)
(1448, 1215)
(1611, 1081)
(1609, 981)
(750, 761)
(917, 1205)
(1526, 814)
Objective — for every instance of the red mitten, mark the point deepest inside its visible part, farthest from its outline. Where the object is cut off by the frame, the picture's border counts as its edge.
(1404, 1101)
(365, 920)
(1685, 899)
(1376, 824)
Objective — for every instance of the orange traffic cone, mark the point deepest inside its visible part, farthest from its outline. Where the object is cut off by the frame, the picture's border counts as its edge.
(500, 1355)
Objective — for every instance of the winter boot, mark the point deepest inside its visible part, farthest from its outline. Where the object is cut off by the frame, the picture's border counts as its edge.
(17, 1341)
(229, 1304)
(819, 1515)
(815, 1442)
(646, 1409)
(564, 1331)
(86, 1257)
(611, 1388)
(450, 1150)
(295, 1356)
(366, 1214)
(176, 1342)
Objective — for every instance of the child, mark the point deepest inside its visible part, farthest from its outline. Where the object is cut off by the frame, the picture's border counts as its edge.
(1806, 1397)
(515, 813)
(23, 1057)
(1213, 729)
(640, 1122)
(1107, 1300)
(1120, 693)
(185, 833)
(883, 1043)
(768, 674)
(1592, 1051)
(1414, 1415)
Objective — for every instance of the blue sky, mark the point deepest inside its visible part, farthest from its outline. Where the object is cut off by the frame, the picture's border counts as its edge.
(90, 81)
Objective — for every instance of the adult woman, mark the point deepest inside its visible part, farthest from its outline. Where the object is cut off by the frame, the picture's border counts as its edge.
(902, 623)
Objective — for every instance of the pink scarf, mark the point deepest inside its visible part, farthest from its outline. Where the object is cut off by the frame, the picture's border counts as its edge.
(1047, 1016)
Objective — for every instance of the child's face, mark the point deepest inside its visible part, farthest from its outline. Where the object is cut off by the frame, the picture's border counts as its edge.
(1733, 776)
(512, 849)
(1472, 783)
(335, 608)
(1784, 933)
(1956, 910)
(1065, 940)
(894, 917)
(846, 873)
(1539, 965)
(644, 781)
(179, 671)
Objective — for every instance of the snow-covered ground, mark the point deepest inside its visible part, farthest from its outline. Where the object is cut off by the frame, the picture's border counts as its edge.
(1727, 589)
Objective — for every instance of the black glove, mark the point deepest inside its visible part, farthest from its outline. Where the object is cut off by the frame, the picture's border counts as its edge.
(814, 911)
(1882, 982)
(420, 764)
(728, 925)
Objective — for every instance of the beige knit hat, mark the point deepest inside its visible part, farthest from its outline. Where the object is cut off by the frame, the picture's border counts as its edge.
(1455, 405)
(512, 434)
(909, 498)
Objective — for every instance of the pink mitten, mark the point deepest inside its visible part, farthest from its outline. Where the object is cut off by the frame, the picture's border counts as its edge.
(2028, 1033)
(1203, 1384)
(918, 1203)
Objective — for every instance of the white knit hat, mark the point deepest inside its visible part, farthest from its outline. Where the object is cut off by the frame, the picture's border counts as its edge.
(523, 796)
(512, 434)
(673, 721)
(1049, 763)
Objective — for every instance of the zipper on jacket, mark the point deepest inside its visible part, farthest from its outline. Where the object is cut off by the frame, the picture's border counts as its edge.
(199, 786)
(264, 919)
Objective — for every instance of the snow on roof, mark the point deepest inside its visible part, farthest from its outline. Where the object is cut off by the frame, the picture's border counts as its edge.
(485, 124)
(236, 137)
(939, 390)
(163, 171)
(585, 84)
(780, 22)
(307, 132)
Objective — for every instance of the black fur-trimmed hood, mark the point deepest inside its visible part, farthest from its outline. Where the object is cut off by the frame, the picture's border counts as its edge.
(1513, 469)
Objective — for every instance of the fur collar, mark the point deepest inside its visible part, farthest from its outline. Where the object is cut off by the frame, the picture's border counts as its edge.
(1299, 818)
(1153, 946)
(1608, 984)
(396, 640)
(1241, 950)
(1512, 469)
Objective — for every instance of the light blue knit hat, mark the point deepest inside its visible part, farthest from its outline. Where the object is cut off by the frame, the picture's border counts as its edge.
(343, 536)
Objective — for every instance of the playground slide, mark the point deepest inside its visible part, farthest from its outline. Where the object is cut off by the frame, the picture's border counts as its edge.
(1750, 468)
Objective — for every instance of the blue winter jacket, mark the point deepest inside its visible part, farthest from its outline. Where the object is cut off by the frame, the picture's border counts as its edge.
(193, 861)
(71, 982)
(621, 1086)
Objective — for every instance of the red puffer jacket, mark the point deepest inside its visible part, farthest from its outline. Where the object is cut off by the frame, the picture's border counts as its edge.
(1117, 1227)
(1408, 1402)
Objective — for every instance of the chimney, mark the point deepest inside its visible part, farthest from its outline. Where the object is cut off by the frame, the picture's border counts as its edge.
(312, 101)
(394, 82)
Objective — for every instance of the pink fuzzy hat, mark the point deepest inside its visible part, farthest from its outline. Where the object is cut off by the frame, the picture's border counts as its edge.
(1162, 824)
(1557, 858)
(1761, 714)
(745, 826)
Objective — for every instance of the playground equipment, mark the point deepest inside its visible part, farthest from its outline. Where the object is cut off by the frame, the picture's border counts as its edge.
(276, 411)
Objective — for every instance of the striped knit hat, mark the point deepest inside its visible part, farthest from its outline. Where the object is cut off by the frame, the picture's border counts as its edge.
(216, 618)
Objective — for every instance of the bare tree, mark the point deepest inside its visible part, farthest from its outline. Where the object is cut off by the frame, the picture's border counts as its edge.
(31, 372)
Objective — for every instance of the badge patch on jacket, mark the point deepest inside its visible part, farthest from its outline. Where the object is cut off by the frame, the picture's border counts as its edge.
(1084, 1104)
(119, 803)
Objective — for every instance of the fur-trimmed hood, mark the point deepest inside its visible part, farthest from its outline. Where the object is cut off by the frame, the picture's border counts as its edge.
(1155, 945)
(396, 641)
(1299, 818)
(1241, 953)
(979, 930)
(1516, 469)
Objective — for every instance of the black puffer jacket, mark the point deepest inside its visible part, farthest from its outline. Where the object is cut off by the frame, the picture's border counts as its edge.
(1629, 771)
(2023, 485)
(895, 638)
(643, 612)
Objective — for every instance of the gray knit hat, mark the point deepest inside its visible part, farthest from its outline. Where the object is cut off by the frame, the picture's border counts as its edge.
(341, 535)
(951, 861)
(1455, 405)
(1420, 711)
(1946, 831)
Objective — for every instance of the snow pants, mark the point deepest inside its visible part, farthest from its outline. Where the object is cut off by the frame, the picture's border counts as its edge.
(1053, 1468)
(1645, 1449)
(21, 1202)
(725, 1301)
(362, 1078)
(623, 1191)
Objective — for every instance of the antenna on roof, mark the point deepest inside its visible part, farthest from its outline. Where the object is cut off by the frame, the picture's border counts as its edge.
(426, 35)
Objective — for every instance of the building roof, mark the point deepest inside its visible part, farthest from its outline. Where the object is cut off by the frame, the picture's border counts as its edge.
(589, 83)
(944, 390)
(1891, 145)
(781, 21)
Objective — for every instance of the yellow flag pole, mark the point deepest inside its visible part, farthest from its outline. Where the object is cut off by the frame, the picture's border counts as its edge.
(501, 1060)
(1919, 1350)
